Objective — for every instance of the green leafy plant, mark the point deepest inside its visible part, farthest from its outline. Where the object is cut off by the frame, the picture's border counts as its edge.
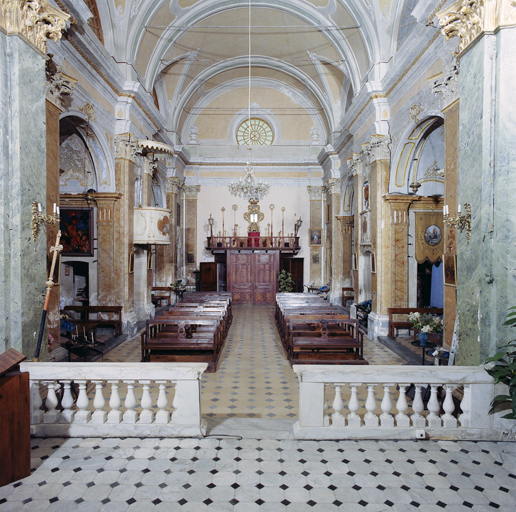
(178, 285)
(504, 371)
(286, 283)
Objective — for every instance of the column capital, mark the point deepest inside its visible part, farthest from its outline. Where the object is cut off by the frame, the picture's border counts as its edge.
(332, 186)
(58, 83)
(315, 193)
(377, 148)
(126, 146)
(467, 19)
(174, 185)
(354, 164)
(38, 21)
(347, 222)
(191, 191)
(447, 85)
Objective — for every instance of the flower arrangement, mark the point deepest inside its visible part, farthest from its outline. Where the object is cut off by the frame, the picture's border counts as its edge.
(426, 322)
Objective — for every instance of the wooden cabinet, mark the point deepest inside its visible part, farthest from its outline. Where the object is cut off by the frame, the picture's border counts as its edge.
(14, 418)
(208, 276)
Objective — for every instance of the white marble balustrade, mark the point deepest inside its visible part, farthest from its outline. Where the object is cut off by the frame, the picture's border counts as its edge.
(115, 399)
(385, 411)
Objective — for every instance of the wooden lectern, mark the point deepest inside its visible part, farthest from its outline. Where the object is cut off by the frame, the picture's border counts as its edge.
(14, 418)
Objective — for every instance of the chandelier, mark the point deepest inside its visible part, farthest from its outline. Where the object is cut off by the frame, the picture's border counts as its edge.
(248, 187)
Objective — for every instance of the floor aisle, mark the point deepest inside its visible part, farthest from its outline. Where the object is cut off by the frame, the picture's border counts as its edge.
(225, 472)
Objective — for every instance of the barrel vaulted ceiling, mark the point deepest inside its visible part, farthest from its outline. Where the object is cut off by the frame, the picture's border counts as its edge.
(194, 54)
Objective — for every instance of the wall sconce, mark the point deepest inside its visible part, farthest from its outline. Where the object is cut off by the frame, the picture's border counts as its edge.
(38, 218)
(297, 226)
(415, 186)
(462, 222)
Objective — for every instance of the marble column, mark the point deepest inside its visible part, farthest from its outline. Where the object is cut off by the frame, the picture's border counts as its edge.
(190, 193)
(377, 153)
(23, 260)
(446, 87)
(333, 240)
(122, 282)
(487, 177)
(316, 220)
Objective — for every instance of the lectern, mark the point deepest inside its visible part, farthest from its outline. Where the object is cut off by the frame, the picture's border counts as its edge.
(14, 418)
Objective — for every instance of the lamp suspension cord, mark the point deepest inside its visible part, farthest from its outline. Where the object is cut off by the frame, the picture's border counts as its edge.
(249, 100)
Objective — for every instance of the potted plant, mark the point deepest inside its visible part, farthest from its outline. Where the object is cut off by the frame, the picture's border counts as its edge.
(425, 323)
(504, 371)
(286, 283)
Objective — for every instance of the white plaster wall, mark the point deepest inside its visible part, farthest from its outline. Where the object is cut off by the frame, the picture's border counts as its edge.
(295, 200)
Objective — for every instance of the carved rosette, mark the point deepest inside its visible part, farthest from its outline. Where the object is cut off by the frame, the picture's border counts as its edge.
(174, 185)
(191, 191)
(447, 85)
(378, 148)
(36, 20)
(315, 193)
(126, 147)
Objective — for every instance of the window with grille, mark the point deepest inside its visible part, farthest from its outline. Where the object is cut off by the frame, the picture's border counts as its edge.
(255, 132)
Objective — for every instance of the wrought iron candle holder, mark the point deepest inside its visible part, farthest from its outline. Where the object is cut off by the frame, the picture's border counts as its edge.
(461, 222)
(38, 218)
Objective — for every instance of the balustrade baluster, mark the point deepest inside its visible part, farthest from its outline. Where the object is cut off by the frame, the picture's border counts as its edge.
(130, 415)
(52, 414)
(337, 418)
(402, 420)
(162, 416)
(386, 418)
(82, 415)
(36, 414)
(433, 406)
(449, 407)
(354, 420)
(326, 419)
(370, 419)
(115, 414)
(464, 418)
(418, 407)
(146, 416)
(99, 415)
(67, 413)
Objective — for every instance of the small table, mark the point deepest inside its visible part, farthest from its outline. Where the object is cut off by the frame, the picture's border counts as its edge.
(82, 348)
(428, 344)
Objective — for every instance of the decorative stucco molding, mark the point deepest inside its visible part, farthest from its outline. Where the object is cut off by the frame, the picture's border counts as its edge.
(315, 193)
(126, 147)
(58, 84)
(447, 85)
(467, 19)
(155, 147)
(378, 148)
(353, 164)
(36, 20)
(191, 191)
(332, 186)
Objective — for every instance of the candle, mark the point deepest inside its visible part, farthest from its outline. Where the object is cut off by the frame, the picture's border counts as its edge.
(54, 208)
(58, 210)
(444, 210)
(458, 208)
(39, 207)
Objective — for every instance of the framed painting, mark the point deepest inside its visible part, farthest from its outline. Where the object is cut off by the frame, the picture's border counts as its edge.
(315, 237)
(373, 263)
(450, 269)
(355, 261)
(149, 260)
(76, 225)
(131, 263)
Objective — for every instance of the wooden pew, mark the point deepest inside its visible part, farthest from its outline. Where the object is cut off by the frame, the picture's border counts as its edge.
(160, 294)
(326, 341)
(85, 319)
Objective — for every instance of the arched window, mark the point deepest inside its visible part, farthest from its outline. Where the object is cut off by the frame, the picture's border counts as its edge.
(94, 22)
(254, 132)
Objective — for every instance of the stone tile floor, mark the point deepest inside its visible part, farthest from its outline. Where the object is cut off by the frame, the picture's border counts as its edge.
(234, 474)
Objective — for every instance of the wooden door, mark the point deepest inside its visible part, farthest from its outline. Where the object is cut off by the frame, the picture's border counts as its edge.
(295, 267)
(252, 276)
(265, 285)
(208, 276)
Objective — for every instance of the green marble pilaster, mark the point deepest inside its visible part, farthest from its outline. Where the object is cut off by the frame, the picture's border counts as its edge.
(486, 268)
(23, 180)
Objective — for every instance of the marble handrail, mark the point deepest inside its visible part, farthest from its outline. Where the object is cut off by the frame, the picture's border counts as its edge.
(420, 416)
(90, 414)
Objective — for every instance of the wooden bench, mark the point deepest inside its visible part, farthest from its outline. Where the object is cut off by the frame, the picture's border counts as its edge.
(182, 340)
(396, 325)
(85, 319)
(347, 294)
(326, 341)
(160, 294)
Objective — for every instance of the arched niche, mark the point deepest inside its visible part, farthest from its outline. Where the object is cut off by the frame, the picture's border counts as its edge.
(83, 164)
(420, 159)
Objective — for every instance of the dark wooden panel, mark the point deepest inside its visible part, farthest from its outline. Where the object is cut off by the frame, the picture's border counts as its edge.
(240, 277)
(208, 276)
(266, 266)
(295, 267)
(15, 428)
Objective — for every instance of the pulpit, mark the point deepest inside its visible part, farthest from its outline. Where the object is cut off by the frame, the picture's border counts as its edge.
(14, 418)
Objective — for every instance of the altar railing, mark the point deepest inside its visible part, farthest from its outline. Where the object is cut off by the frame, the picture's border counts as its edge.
(283, 243)
(403, 402)
(159, 400)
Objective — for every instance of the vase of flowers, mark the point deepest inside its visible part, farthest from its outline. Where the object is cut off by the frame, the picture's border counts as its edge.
(425, 323)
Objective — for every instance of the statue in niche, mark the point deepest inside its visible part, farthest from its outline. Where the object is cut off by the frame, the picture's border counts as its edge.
(366, 195)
